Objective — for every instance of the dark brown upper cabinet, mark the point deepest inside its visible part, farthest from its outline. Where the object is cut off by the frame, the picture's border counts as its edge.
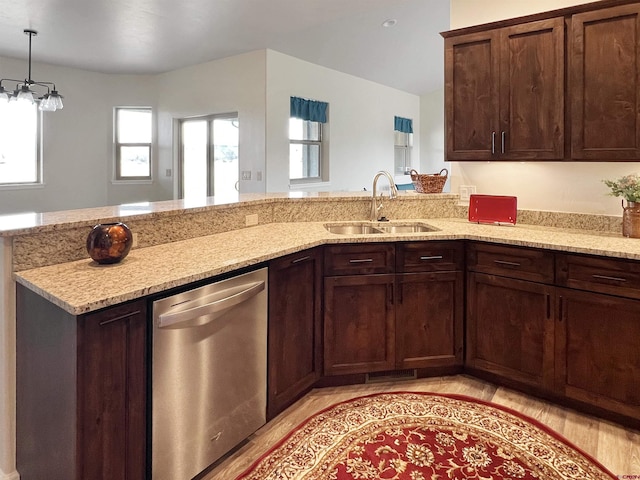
(504, 93)
(559, 85)
(604, 84)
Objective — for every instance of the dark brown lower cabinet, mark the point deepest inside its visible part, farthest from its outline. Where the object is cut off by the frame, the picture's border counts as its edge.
(359, 324)
(112, 393)
(597, 352)
(571, 336)
(429, 319)
(407, 316)
(510, 329)
(81, 391)
(295, 321)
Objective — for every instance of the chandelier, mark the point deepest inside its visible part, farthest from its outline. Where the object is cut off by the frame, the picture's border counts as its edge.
(27, 90)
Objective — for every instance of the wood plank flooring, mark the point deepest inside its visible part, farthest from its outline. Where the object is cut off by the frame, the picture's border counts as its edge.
(616, 447)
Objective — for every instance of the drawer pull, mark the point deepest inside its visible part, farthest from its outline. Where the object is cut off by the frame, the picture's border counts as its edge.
(361, 260)
(301, 259)
(432, 257)
(504, 262)
(117, 319)
(606, 277)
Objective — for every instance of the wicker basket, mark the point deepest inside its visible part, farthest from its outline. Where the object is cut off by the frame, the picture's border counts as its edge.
(429, 183)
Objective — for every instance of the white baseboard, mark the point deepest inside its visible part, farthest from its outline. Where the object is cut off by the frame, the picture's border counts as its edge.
(9, 476)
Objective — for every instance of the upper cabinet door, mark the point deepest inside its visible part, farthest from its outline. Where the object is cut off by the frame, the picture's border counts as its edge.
(504, 93)
(605, 104)
(532, 91)
(471, 96)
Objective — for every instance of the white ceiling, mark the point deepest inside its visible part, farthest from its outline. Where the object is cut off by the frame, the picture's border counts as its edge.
(154, 36)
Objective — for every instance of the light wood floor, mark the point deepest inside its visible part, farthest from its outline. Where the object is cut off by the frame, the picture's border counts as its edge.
(616, 447)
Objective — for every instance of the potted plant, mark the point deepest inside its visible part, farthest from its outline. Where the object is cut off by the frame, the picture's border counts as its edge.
(628, 187)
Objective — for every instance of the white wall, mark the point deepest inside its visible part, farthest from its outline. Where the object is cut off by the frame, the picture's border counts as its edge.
(77, 140)
(555, 186)
(234, 84)
(432, 135)
(78, 146)
(360, 122)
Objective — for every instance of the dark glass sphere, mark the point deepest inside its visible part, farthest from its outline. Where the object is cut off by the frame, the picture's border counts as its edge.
(109, 242)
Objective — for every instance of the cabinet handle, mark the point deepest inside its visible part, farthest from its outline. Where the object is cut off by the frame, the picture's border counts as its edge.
(606, 277)
(548, 306)
(502, 135)
(504, 262)
(432, 257)
(121, 317)
(493, 143)
(361, 260)
(560, 308)
(301, 259)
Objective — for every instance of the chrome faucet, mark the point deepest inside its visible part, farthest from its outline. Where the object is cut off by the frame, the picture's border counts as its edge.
(376, 209)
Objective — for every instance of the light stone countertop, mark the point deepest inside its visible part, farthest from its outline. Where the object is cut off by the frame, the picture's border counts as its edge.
(83, 286)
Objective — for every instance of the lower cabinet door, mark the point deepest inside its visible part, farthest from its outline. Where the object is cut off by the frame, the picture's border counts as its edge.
(510, 329)
(112, 401)
(597, 350)
(359, 324)
(429, 323)
(295, 342)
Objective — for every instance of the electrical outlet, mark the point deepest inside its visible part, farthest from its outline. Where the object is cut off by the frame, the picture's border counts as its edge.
(167, 172)
(251, 220)
(466, 191)
(259, 176)
(134, 240)
(246, 175)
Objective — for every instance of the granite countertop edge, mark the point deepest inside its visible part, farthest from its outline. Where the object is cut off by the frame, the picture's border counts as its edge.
(83, 286)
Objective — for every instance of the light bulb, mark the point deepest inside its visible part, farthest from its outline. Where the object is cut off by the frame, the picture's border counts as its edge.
(56, 99)
(46, 104)
(25, 94)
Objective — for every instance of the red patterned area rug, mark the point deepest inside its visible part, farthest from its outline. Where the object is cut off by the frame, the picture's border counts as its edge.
(423, 436)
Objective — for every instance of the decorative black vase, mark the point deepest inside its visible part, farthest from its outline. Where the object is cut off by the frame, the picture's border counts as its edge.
(109, 242)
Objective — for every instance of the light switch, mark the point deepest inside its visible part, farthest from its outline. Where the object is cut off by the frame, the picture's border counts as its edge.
(246, 175)
(466, 191)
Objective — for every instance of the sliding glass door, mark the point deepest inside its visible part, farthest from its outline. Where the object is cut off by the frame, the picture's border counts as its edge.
(209, 156)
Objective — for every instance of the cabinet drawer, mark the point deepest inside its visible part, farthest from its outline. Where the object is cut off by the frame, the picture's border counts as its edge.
(604, 275)
(429, 257)
(515, 262)
(359, 259)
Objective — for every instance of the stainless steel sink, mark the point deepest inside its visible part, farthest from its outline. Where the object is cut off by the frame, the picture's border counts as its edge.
(352, 229)
(406, 228)
(362, 228)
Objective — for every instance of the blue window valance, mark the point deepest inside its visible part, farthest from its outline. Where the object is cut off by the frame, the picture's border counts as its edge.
(404, 125)
(311, 110)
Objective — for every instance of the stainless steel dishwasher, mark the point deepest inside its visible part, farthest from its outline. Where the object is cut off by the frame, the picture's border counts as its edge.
(209, 373)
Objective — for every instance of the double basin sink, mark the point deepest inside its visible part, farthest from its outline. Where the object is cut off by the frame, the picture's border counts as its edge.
(376, 228)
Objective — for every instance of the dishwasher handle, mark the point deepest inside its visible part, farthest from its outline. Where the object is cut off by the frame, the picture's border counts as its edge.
(234, 296)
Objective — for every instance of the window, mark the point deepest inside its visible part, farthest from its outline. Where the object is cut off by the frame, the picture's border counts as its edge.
(403, 134)
(402, 152)
(20, 143)
(133, 143)
(305, 149)
(307, 141)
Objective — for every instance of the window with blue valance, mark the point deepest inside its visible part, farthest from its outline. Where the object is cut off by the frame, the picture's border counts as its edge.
(404, 125)
(311, 110)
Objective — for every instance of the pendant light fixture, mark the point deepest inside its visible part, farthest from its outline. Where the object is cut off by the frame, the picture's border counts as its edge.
(26, 91)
